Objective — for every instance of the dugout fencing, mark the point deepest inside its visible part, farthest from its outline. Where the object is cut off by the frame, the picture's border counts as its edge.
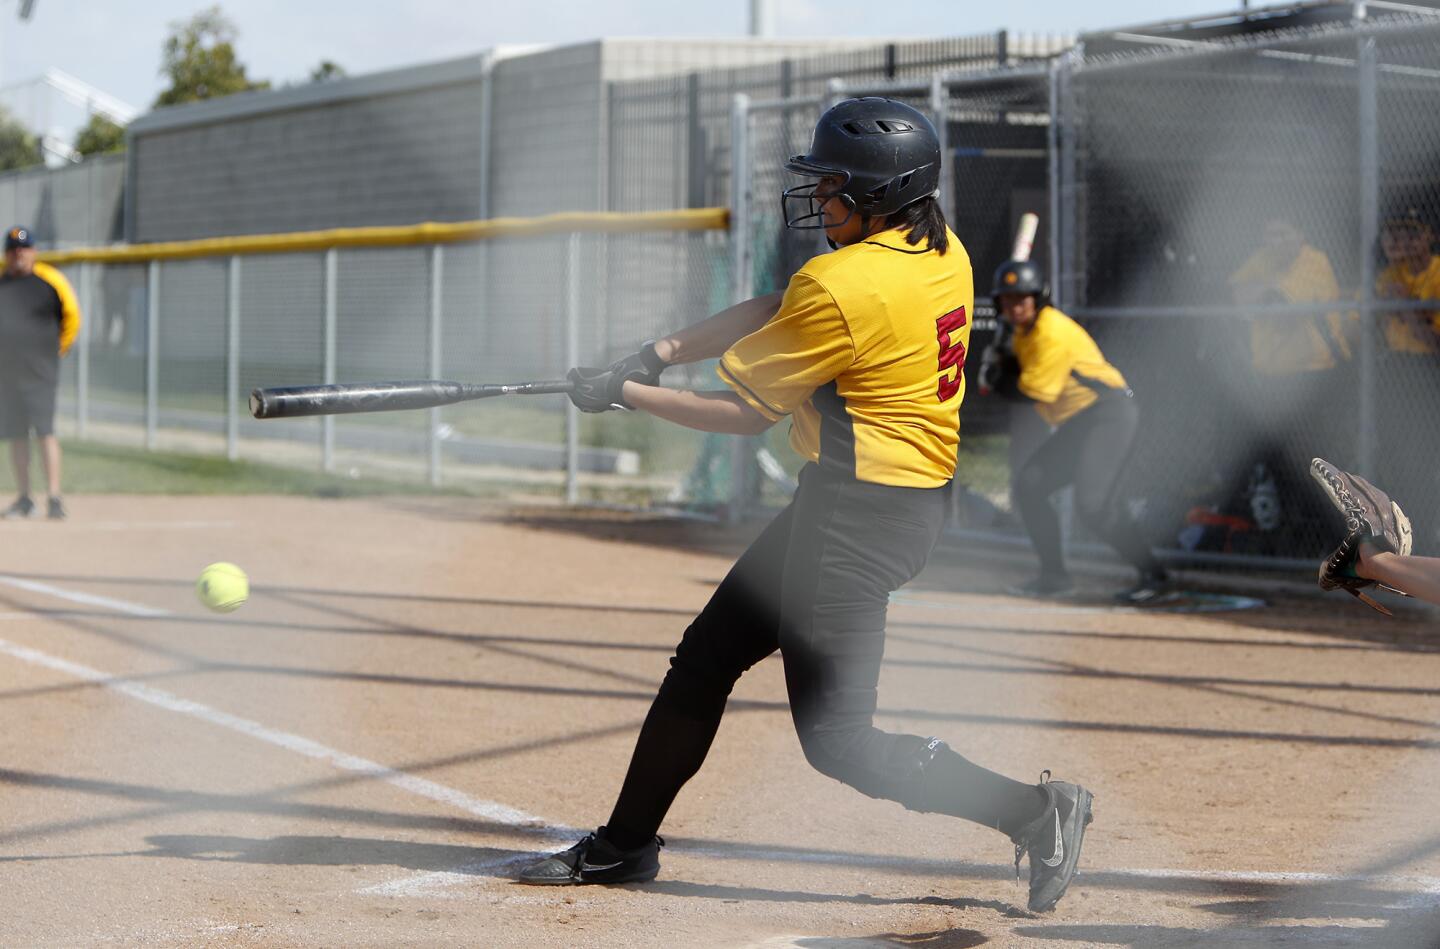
(176, 335)
(1174, 163)
(1156, 165)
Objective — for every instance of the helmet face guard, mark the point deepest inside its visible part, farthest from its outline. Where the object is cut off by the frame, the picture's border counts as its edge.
(802, 210)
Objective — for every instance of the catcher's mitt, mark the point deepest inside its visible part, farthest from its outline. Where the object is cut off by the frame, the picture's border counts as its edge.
(1370, 516)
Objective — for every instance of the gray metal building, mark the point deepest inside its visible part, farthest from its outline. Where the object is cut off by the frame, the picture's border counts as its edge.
(406, 145)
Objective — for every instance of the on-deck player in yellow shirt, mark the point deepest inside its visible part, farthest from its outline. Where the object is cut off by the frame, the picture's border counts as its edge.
(1062, 369)
(864, 352)
(1086, 401)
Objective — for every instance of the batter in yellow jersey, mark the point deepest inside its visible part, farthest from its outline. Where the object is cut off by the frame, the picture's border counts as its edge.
(866, 353)
(1058, 366)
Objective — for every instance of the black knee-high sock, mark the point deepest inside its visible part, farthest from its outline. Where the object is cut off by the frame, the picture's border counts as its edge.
(957, 786)
(671, 747)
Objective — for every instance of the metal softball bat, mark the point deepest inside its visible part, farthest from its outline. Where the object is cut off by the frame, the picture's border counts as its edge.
(347, 398)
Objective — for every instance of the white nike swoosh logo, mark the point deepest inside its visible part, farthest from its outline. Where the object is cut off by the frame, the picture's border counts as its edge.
(587, 867)
(1059, 844)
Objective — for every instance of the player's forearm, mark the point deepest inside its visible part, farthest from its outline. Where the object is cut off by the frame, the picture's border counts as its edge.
(723, 412)
(1417, 576)
(709, 338)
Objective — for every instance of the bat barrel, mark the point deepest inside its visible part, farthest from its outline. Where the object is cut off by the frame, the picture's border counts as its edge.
(346, 399)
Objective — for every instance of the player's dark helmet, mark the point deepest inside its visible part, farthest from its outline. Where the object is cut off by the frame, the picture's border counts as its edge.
(1020, 277)
(887, 154)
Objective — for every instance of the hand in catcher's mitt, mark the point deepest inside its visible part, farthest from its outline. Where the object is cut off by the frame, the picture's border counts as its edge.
(1370, 516)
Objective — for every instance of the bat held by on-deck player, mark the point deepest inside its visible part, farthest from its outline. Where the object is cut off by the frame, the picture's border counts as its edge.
(347, 398)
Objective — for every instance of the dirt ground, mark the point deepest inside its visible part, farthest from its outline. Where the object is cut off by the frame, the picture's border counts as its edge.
(421, 693)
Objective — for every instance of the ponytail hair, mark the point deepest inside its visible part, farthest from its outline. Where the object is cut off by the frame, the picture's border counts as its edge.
(922, 220)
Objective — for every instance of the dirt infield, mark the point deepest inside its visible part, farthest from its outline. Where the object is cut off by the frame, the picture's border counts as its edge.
(422, 692)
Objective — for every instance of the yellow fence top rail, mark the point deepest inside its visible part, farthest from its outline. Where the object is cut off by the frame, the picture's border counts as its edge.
(430, 232)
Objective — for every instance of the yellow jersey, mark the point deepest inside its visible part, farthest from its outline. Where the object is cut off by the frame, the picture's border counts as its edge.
(1283, 345)
(865, 354)
(1417, 331)
(1061, 367)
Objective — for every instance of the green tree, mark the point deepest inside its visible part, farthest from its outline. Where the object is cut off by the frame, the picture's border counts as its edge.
(19, 148)
(100, 136)
(326, 70)
(199, 59)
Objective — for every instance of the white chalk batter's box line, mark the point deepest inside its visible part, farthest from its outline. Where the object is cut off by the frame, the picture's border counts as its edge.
(437, 883)
(72, 527)
(1410, 892)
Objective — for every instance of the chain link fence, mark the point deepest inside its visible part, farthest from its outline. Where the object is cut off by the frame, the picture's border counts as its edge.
(1223, 217)
(1220, 232)
(1215, 212)
(170, 349)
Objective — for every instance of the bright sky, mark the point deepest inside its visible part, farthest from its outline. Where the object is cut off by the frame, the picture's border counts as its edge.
(115, 45)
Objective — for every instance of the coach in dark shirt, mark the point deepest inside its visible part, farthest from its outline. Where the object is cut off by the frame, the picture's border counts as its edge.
(39, 319)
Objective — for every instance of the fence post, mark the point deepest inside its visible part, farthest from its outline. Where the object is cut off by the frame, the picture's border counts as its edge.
(152, 357)
(232, 360)
(1369, 224)
(1063, 229)
(939, 106)
(1052, 145)
(82, 352)
(437, 263)
(1071, 270)
(742, 283)
(327, 422)
(572, 358)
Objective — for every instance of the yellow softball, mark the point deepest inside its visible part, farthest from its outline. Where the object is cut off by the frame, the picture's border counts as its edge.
(222, 587)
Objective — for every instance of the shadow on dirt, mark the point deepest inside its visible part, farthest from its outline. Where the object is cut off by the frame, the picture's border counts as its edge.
(942, 939)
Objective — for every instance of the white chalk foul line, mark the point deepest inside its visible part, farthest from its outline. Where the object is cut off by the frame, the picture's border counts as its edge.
(1412, 891)
(72, 527)
(88, 599)
(488, 810)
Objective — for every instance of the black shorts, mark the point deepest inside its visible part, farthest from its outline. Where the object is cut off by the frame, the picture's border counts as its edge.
(26, 405)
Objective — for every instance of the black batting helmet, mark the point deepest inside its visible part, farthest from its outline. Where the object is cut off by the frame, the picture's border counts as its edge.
(886, 152)
(1020, 277)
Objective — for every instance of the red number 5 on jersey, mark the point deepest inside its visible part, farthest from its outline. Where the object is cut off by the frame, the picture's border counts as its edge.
(952, 355)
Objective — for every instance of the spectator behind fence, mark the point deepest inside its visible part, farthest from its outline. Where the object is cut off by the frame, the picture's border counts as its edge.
(1288, 270)
(1298, 362)
(1409, 440)
(1412, 272)
(39, 319)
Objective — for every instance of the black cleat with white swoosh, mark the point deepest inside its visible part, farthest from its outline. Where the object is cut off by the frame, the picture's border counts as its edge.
(1053, 842)
(595, 860)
